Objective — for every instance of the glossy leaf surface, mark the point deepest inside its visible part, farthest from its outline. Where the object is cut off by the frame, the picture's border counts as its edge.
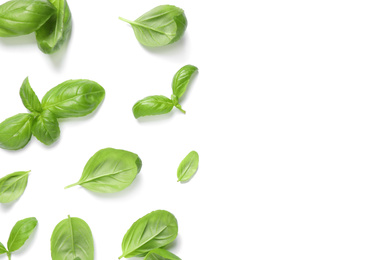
(15, 132)
(20, 233)
(20, 17)
(181, 80)
(161, 254)
(152, 105)
(29, 98)
(154, 230)
(12, 186)
(3, 250)
(163, 25)
(73, 98)
(110, 170)
(46, 128)
(188, 167)
(52, 35)
(72, 240)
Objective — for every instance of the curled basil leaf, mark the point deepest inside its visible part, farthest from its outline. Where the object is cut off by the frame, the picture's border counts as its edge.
(20, 17)
(73, 98)
(161, 254)
(163, 25)
(15, 132)
(12, 186)
(152, 105)
(154, 230)
(29, 98)
(110, 170)
(188, 167)
(2, 249)
(20, 233)
(181, 80)
(46, 128)
(52, 35)
(72, 240)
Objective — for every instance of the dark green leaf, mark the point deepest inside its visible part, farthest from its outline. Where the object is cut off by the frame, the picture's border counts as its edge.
(29, 98)
(12, 186)
(152, 105)
(15, 132)
(19, 17)
(56, 31)
(188, 167)
(73, 98)
(46, 128)
(163, 25)
(181, 79)
(20, 233)
(110, 170)
(71, 240)
(154, 230)
(160, 254)
(2, 249)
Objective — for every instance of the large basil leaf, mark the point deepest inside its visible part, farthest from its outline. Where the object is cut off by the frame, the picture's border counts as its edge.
(15, 132)
(110, 170)
(29, 98)
(73, 98)
(163, 25)
(2, 249)
(188, 167)
(152, 105)
(181, 79)
(46, 128)
(19, 17)
(12, 186)
(154, 230)
(161, 254)
(72, 240)
(20, 233)
(56, 31)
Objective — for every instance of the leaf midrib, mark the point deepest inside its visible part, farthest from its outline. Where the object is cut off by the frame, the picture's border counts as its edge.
(105, 175)
(152, 237)
(150, 28)
(66, 100)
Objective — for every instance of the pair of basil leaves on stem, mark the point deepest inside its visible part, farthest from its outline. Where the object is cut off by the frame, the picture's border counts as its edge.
(49, 19)
(72, 98)
(158, 105)
(19, 235)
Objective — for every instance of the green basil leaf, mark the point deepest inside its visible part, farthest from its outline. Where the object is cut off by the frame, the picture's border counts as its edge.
(20, 233)
(163, 25)
(29, 98)
(188, 167)
(152, 105)
(20, 17)
(161, 254)
(110, 170)
(52, 35)
(15, 132)
(181, 79)
(154, 230)
(73, 98)
(46, 128)
(72, 239)
(12, 186)
(2, 249)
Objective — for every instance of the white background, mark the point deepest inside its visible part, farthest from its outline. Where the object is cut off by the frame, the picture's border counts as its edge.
(289, 113)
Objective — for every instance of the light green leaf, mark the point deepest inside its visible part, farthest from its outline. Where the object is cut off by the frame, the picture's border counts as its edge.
(46, 128)
(181, 80)
(29, 98)
(152, 105)
(12, 186)
(188, 167)
(20, 233)
(15, 132)
(2, 249)
(161, 254)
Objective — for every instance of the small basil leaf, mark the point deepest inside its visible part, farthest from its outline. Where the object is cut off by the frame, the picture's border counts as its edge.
(29, 98)
(154, 230)
(181, 79)
(188, 167)
(15, 132)
(20, 17)
(20, 233)
(46, 128)
(12, 186)
(152, 105)
(2, 249)
(72, 239)
(110, 170)
(52, 35)
(73, 98)
(161, 254)
(163, 25)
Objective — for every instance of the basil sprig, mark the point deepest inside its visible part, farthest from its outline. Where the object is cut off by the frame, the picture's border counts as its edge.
(72, 98)
(158, 105)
